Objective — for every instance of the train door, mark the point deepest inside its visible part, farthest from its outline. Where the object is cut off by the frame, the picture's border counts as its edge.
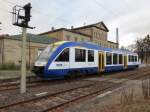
(125, 61)
(101, 59)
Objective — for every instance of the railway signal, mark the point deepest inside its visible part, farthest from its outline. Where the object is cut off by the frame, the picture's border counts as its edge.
(21, 18)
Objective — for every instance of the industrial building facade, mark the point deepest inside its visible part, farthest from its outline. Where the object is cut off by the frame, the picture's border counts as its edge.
(10, 48)
(96, 33)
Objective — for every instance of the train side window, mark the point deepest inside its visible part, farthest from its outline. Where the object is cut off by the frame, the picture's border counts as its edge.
(135, 58)
(132, 58)
(129, 58)
(115, 58)
(120, 58)
(64, 56)
(108, 58)
(80, 55)
(90, 56)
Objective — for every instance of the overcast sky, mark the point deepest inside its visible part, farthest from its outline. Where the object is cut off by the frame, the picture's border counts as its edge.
(130, 16)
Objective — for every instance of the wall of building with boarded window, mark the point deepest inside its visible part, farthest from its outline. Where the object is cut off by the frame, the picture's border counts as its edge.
(12, 51)
(58, 35)
(70, 36)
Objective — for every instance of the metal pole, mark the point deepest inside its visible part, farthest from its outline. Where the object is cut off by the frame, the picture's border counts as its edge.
(0, 26)
(23, 62)
(29, 55)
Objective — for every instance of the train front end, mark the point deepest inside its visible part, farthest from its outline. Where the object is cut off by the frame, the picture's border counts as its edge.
(42, 60)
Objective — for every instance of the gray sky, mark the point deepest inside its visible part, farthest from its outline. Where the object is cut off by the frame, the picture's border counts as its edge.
(130, 16)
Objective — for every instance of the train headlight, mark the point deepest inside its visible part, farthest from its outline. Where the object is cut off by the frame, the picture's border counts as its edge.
(38, 63)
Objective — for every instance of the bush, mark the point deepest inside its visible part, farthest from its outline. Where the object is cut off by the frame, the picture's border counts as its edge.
(8, 66)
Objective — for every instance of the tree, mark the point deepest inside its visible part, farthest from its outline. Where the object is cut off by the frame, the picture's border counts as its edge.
(143, 48)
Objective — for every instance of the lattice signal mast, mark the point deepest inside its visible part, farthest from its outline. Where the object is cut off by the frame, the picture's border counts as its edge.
(22, 15)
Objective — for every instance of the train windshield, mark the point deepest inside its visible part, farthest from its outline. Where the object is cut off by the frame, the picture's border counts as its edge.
(44, 56)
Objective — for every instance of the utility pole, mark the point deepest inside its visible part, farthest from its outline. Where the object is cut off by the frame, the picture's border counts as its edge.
(22, 21)
(0, 26)
(23, 60)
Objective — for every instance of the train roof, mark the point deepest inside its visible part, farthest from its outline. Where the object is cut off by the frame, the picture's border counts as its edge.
(90, 45)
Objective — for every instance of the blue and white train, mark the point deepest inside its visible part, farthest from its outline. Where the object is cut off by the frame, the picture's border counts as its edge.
(66, 58)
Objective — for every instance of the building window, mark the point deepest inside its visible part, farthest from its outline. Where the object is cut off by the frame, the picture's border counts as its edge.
(80, 55)
(96, 34)
(99, 35)
(40, 51)
(64, 56)
(90, 56)
(68, 37)
(115, 58)
(120, 58)
(108, 58)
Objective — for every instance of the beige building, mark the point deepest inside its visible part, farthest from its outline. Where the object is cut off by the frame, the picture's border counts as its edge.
(10, 48)
(96, 33)
(67, 35)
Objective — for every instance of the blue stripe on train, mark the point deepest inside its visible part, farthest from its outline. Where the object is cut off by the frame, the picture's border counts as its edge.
(113, 68)
(64, 72)
(118, 68)
(132, 66)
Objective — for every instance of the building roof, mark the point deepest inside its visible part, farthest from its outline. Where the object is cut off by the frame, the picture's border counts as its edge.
(93, 25)
(112, 42)
(74, 30)
(65, 29)
(33, 38)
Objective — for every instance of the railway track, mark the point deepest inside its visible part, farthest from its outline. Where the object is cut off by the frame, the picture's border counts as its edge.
(35, 83)
(96, 92)
(38, 82)
(51, 102)
(127, 74)
(13, 86)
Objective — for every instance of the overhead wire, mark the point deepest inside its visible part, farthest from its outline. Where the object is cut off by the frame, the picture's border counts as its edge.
(106, 9)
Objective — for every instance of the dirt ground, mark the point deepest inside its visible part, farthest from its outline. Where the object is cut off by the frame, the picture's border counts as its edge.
(132, 97)
(8, 74)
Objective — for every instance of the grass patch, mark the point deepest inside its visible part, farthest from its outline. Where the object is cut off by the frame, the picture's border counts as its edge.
(8, 66)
